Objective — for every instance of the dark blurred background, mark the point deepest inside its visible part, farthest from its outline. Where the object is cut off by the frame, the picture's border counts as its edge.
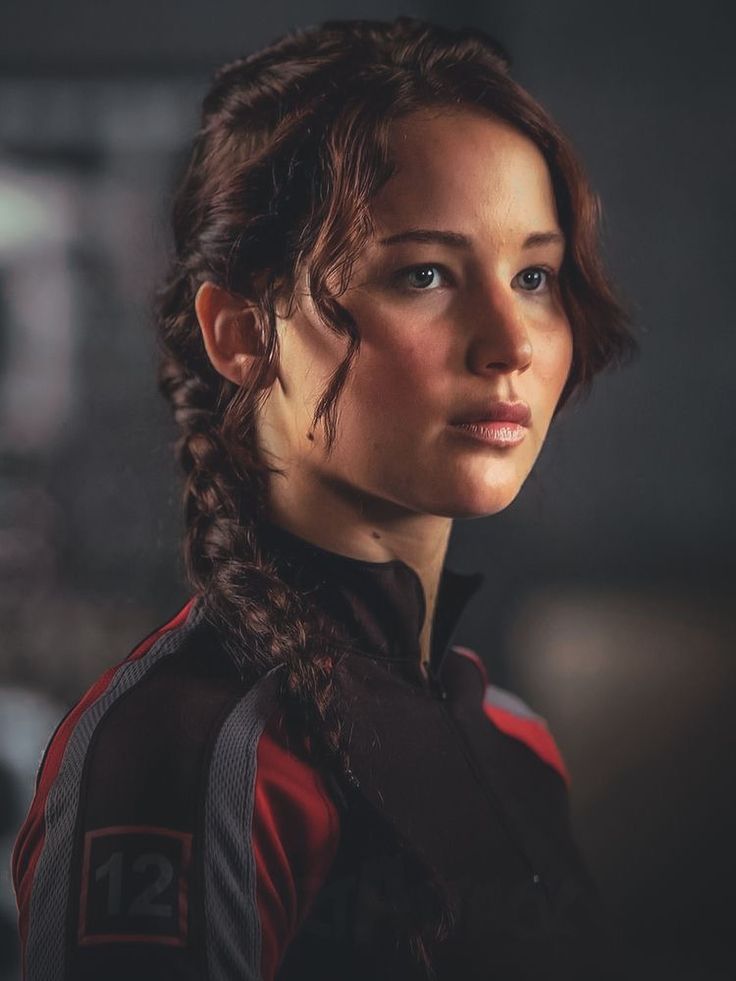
(610, 581)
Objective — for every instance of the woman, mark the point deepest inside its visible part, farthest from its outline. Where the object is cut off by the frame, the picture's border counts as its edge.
(385, 287)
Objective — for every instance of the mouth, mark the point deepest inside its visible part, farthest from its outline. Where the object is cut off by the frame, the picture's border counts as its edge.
(496, 423)
(493, 432)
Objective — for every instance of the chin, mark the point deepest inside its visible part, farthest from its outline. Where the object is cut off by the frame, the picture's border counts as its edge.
(483, 502)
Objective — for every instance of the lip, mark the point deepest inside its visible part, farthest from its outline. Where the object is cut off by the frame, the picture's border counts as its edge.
(515, 412)
(498, 434)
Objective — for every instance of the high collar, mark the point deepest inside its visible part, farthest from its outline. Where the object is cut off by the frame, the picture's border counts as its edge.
(381, 604)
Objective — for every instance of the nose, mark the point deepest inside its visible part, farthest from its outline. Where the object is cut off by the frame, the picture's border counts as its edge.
(501, 341)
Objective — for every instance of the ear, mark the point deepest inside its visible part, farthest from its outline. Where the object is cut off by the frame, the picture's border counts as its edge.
(230, 331)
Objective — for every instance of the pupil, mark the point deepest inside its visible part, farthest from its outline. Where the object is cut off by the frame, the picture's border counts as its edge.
(424, 276)
(534, 274)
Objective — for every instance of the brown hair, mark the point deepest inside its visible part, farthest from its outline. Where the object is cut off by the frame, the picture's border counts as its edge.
(293, 146)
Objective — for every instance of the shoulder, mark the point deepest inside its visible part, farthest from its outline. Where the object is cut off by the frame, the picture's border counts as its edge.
(167, 763)
(513, 716)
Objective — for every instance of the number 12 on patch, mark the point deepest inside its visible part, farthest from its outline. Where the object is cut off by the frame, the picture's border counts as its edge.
(135, 882)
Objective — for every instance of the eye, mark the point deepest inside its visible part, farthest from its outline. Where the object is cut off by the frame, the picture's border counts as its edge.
(421, 279)
(532, 278)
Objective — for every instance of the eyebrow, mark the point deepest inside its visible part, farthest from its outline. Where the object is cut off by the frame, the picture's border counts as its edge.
(458, 240)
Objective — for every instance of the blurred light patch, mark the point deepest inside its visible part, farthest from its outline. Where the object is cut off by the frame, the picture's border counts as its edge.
(34, 211)
(37, 231)
(639, 689)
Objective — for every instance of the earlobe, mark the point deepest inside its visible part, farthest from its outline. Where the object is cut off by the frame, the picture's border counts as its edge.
(230, 331)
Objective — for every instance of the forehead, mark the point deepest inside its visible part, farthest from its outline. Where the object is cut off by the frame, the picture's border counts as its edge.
(465, 170)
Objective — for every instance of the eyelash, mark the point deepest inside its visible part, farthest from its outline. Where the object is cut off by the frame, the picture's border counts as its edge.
(550, 274)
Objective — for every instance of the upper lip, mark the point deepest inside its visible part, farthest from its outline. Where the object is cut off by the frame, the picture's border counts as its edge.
(497, 411)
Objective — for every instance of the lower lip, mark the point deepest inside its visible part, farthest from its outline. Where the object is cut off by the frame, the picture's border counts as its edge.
(494, 433)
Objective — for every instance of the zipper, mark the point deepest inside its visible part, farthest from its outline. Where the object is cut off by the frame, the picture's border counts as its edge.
(439, 692)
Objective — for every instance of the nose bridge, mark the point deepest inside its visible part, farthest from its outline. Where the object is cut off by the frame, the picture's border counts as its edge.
(501, 337)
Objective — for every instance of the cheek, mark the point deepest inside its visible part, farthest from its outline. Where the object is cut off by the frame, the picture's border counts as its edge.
(554, 359)
(404, 376)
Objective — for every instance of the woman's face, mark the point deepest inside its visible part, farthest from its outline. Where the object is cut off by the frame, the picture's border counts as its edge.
(449, 324)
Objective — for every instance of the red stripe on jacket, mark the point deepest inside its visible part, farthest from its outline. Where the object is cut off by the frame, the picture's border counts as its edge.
(531, 729)
(295, 837)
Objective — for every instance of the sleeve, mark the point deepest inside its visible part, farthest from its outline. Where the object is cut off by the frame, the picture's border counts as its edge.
(512, 715)
(136, 861)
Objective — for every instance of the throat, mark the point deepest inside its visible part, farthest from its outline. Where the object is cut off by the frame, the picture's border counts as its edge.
(425, 645)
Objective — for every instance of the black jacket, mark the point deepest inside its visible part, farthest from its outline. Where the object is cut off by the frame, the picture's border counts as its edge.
(177, 830)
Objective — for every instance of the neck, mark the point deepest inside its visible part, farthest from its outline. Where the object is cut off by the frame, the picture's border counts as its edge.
(371, 533)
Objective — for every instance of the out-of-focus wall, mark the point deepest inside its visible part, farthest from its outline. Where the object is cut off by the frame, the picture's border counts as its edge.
(609, 581)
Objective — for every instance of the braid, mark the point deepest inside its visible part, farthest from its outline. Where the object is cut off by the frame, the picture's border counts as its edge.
(294, 143)
(263, 621)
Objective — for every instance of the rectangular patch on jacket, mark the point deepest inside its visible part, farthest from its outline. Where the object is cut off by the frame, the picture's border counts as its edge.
(135, 885)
